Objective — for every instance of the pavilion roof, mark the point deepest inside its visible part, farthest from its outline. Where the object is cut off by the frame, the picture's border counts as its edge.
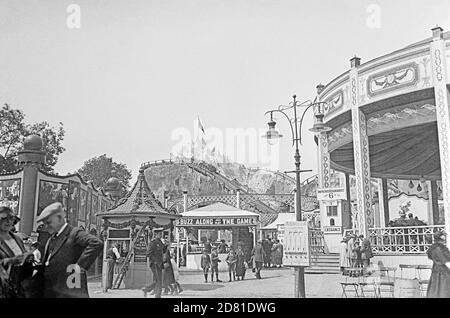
(139, 201)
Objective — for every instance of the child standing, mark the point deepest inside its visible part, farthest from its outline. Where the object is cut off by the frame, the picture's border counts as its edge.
(205, 263)
(231, 261)
(215, 265)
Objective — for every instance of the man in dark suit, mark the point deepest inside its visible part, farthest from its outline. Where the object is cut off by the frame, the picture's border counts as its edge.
(155, 255)
(68, 254)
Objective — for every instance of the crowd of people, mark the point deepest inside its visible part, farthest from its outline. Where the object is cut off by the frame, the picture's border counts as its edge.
(355, 251)
(265, 254)
(273, 251)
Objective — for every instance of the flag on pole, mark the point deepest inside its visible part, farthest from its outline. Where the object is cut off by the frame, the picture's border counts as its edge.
(200, 126)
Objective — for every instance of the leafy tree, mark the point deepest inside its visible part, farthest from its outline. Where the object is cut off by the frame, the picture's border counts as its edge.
(13, 131)
(100, 169)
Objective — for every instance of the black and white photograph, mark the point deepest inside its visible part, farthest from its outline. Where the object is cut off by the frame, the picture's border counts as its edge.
(240, 151)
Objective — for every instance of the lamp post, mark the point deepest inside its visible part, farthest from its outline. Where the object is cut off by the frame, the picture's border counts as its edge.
(296, 130)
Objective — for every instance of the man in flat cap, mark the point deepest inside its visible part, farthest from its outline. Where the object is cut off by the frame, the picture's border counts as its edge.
(155, 254)
(68, 254)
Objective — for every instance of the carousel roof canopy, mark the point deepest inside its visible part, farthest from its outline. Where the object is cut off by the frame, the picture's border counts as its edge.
(402, 153)
(140, 201)
(219, 210)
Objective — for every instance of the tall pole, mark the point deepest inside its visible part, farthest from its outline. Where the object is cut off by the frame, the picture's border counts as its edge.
(299, 287)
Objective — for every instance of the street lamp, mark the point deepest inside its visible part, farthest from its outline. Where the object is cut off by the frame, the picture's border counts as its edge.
(272, 135)
(296, 130)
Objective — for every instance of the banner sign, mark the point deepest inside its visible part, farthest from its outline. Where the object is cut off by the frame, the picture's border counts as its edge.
(245, 221)
(140, 250)
(332, 229)
(331, 194)
(296, 246)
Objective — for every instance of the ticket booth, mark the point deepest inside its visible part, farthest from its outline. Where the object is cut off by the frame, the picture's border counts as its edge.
(241, 224)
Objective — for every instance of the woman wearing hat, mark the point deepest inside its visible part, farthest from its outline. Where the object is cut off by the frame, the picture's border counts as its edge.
(343, 254)
(15, 262)
(439, 284)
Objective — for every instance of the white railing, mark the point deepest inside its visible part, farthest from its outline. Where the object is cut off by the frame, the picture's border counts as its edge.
(403, 240)
(317, 242)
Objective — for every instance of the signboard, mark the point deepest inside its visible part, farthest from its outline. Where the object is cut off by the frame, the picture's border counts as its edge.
(331, 194)
(332, 229)
(140, 250)
(296, 247)
(118, 234)
(245, 221)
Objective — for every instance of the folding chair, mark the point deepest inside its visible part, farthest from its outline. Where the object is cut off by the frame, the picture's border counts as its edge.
(420, 269)
(351, 283)
(388, 282)
(369, 279)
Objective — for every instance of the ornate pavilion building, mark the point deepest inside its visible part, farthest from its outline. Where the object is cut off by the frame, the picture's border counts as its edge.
(390, 119)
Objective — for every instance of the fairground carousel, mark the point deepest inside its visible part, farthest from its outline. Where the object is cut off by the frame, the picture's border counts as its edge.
(390, 120)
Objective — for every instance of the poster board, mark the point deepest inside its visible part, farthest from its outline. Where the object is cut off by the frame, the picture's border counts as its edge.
(297, 244)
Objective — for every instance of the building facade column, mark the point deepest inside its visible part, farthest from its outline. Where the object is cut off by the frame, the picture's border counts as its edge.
(442, 100)
(185, 201)
(383, 202)
(324, 173)
(433, 203)
(30, 159)
(385, 195)
(380, 211)
(346, 208)
(365, 218)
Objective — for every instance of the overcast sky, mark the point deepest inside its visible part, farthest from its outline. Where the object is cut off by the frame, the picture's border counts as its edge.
(135, 71)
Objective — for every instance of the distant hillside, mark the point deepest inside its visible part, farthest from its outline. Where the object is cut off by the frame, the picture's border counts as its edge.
(221, 178)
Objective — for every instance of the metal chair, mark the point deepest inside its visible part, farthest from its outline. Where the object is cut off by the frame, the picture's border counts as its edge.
(369, 279)
(351, 283)
(420, 269)
(389, 282)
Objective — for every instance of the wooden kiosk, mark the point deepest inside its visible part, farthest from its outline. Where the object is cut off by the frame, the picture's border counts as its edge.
(123, 222)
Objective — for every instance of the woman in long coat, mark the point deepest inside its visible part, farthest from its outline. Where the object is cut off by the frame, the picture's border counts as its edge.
(350, 248)
(439, 284)
(277, 253)
(343, 255)
(240, 263)
(16, 265)
(168, 278)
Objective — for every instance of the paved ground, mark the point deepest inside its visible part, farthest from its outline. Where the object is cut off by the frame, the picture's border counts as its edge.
(275, 283)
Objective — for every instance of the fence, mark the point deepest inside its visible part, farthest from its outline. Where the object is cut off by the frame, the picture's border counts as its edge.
(403, 240)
